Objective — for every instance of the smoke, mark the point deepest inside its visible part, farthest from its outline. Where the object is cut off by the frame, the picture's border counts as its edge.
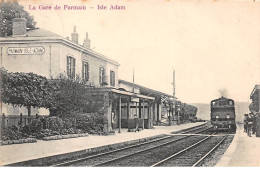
(223, 92)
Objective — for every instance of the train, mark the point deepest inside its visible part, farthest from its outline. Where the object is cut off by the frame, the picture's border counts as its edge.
(222, 114)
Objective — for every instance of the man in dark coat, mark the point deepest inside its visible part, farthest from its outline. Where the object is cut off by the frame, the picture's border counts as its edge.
(136, 123)
(245, 122)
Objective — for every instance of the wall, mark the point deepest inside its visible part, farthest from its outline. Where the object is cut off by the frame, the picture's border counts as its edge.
(51, 63)
(16, 110)
(44, 64)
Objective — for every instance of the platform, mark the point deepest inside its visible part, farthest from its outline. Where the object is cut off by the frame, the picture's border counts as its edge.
(244, 151)
(28, 151)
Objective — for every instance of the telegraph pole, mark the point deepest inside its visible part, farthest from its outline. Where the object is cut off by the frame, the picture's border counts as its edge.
(133, 81)
(173, 94)
(173, 83)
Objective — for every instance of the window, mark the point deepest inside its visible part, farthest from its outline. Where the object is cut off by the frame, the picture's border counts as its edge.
(112, 78)
(85, 71)
(101, 75)
(71, 67)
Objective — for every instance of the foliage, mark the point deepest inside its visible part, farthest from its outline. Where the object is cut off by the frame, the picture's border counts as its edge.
(132, 123)
(91, 121)
(61, 95)
(77, 124)
(72, 96)
(11, 133)
(57, 137)
(185, 111)
(26, 89)
(69, 95)
(10, 10)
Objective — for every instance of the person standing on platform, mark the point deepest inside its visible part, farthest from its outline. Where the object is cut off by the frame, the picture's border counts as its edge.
(136, 123)
(250, 122)
(245, 122)
(112, 119)
(254, 124)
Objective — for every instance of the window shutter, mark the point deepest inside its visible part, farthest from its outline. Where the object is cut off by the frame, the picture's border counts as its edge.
(83, 77)
(87, 72)
(73, 72)
(104, 79)
(68, 66)
(114, 78)
(100, 75)
(111, 73)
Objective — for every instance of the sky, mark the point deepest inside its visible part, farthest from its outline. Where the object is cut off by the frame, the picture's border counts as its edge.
(214, 46)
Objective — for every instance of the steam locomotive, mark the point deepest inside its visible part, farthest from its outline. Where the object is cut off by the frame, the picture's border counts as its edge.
(222, 115)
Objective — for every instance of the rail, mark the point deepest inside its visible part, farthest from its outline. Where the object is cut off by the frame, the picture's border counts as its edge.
(70, 162)
(190, 147)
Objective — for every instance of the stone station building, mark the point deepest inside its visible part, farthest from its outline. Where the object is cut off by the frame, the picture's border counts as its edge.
(45, 53)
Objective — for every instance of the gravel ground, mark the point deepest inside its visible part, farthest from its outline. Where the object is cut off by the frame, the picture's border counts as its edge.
(213, 159)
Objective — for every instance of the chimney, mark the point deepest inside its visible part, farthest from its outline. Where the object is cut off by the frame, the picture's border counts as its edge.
(74, 36)
(87, 42)
(19, 26)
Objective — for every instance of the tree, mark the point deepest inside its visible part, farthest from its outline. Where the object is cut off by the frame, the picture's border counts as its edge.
(75, 97)
(26, 89)
(168, 103)
(70, 95)
(10, 10)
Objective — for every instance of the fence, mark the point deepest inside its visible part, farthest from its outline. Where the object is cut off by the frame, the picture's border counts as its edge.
(18, 120)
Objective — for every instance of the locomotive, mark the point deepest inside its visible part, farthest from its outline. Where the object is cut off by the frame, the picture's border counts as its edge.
(222, 115)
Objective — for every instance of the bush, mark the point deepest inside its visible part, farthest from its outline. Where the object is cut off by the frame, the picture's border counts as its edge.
(11, 133)
(90, 121)
(55, 126)
(57, 137)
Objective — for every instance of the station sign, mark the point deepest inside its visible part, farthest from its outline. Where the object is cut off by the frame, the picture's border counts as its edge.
(25, 50)
(134, 99)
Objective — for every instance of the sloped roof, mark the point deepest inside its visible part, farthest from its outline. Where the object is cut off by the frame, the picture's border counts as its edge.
(41, 33)
(148, 91)
(255, 90)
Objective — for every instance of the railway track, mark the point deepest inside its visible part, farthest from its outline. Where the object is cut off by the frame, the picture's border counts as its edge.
(193, 155)
(114, 156)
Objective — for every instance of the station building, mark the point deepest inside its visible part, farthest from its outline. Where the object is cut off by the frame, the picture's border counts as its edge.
(254, 107)
(155, 112)
(255, 96)
(48, 54)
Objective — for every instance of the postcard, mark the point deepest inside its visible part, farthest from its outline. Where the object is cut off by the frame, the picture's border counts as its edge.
(127, 83)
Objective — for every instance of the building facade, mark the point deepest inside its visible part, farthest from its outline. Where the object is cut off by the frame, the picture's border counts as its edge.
(47, 54)
(255, 97)
(156, 112)
(50, 55)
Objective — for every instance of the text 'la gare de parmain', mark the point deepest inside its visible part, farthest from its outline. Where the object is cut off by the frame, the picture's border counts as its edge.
(79, 7)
